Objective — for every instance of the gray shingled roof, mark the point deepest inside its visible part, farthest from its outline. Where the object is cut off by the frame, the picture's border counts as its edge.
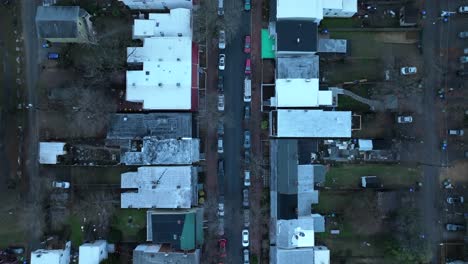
(57, 21)
(147, 254)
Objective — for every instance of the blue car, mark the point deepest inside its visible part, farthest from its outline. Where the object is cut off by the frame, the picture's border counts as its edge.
(53, 56)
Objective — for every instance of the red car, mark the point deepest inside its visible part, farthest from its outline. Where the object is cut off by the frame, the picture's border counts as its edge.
(222, 247)
(247, 44)
(247, 66)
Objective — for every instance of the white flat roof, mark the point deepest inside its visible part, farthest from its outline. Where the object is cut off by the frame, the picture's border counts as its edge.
(333, 4)
(321, 255)
(93, 253)
(299, 9)
(350, 5)
(158, 187)
(313, 124)
(54, 256)
(166, 79)
(48, 152)
(164, 24)
(301, 93)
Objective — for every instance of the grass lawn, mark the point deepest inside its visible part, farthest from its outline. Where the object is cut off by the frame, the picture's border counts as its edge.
(362, 44)
(131, 229)
(10, 230)
(348, 176)
(76, 235)
(331, 23)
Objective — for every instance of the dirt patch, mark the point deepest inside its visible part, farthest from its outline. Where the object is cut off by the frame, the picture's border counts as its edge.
(456, 173)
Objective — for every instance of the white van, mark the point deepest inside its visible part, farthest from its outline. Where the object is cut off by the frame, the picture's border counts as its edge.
(220, 7)
(247, 90)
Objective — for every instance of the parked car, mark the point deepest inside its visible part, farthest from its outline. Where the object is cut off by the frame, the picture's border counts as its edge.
(462, 73)
(463, 9)
(408, 70)
(222, 247)
(246, 5)
(246, 178)
(221, 102)
(247, 44)
(245, 238)
(245, 198)
(220, 168)
(247, 157)
(246, 218)
(247, 66)
(246, 256)
(444, 145)
(222, 62)
(455, 199)
(456, 132)
(221, 209)
(247, 112)
(220, 145)
(220, 7)
(465, 51)
(61, 185)
(454, 227)
(15, 250)
(404, 119)
(370, 182)
(220, 83)
(53, 56)
(220, 128)
(463, 34)
(222, 39)
(247, 139)
(463, 59)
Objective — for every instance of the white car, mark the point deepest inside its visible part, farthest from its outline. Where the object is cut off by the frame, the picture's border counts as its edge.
(408, 70)
(246, 256)
(222, 62)
(246, 178)
(221, 102)
(404, 119)
(222, 39)
(61, 185)
(463, 9)
(220, 145)
(245, 238)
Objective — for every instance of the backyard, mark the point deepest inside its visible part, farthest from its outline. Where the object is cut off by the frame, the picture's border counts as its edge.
(391, 175)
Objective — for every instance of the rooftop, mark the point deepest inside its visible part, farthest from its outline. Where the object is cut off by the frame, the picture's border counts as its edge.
(125, 127)
(49, 151)
(155, 254)
(311, 255)
(166, 79)
(304, 67)
(182, 230)
(295, 233)
(296, 36)
(57, 21)
(159, 187)
(177, 23)
(301, 93)
(182, 151)
(93, 253)
(310, 124)
(286, 166)
(306, 195)
(299, 9)
(51, 256)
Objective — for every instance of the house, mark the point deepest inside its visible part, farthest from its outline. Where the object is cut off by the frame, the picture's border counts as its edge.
(94, 253)
(49, 152)
(299, 67)
(176, 23)
(156, 254)
(288, 123)
(51, 256)
(151, 151)
(126, 128)
(300, 93)
(167, 78)
(159, 187)
(311, 255)
(294, 37)
(157, 4)
(182, 230)
(64, 24)
(314, 10)
(295, 233)
(339, 8)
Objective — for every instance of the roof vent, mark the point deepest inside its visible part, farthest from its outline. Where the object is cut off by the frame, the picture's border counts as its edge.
(147, 72)
(298, 40)
(307, 80)
(133, 84)
(160, 59)
(160, 84)
(179, 34)
(178, 59)
(178, 84)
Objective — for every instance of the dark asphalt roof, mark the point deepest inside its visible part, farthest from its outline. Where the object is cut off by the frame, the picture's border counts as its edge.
(57, 21)
(287, 206)
(296, 35)
(305, 148)
(287, 166)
